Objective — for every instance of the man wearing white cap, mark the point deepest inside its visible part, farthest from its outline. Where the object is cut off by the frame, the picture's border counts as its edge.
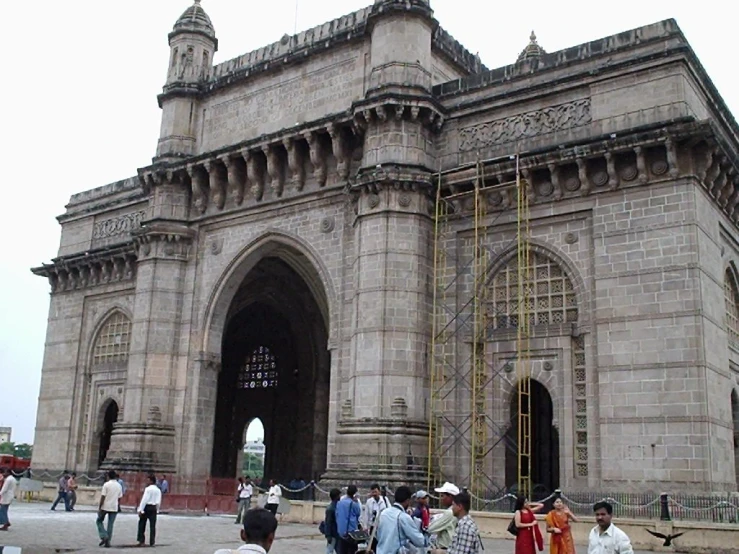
(444, 524)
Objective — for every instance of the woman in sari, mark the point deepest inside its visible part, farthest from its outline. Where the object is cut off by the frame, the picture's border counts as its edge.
(529, 536)
(558, 524)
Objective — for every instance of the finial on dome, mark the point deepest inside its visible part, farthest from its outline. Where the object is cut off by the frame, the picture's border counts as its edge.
(532, 38)
(533, 50)
(197, 2)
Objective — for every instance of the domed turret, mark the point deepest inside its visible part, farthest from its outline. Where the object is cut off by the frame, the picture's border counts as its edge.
(192, 44)
(195, 20)
(533, 50)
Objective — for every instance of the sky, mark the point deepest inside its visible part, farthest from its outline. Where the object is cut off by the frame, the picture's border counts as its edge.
(81, 79)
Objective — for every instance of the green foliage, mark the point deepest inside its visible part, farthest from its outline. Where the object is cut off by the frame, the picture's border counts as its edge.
(253, 466)
(20, 450)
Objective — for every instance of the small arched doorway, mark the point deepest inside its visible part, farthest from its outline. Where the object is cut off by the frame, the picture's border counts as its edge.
(253, 452)
(735, 420)
(275, 367)
(544, 443)
(110, 417)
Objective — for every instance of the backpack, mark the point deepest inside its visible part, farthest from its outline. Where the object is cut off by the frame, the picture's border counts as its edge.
(322, 527)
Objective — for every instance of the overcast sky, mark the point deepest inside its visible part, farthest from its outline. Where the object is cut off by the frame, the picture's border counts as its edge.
(80, 110)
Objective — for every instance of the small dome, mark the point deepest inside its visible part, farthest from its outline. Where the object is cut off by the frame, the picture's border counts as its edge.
(533, 50)
(194, 19)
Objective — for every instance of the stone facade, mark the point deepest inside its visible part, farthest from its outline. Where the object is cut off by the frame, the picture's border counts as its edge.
(277, 260)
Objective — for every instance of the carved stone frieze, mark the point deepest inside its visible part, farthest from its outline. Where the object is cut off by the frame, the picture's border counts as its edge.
(539, 122)
(119, 226)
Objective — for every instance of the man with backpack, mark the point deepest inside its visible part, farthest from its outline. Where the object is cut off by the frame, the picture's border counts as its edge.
(396, 529)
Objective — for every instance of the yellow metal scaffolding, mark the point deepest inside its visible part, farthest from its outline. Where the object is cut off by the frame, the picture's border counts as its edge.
(461, 370)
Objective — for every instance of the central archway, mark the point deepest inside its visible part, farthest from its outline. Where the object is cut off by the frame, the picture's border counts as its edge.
(275, 366)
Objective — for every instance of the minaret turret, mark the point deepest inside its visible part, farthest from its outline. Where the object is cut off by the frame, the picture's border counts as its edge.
(192, 45)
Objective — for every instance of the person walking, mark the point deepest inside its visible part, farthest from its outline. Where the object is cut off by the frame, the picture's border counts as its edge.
(164, 485)
(396, 528)
(243, 497)
(273, 496)
(7, 495)
(467, 538)
(110, 498)
(148, 510)
(72, 491)
(62, 491)
(348, 512)
(442, 525)
(605, 537)
(260, 526)
(331, 531)
(529, 535)
(558, 525)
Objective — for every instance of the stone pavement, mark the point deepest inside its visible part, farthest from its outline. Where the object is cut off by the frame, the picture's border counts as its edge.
(37, 530)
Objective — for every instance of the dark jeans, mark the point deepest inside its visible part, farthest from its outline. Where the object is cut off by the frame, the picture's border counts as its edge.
(272, 508)
(346, 546)
(62, 496)
(150, 515)
(244, 504)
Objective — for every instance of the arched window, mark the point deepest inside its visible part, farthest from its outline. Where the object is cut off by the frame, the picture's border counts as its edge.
(259, 370)
(113, 340)
(550, 296)
(732, 308)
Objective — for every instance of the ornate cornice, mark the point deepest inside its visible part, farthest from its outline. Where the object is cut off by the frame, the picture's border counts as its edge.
(681, 150)
(413, 108)
(95, 267)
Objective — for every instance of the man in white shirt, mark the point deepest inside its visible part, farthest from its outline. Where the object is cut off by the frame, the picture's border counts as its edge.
(243, 497)
(374, 506)
(7, 495)
(258, 533)
(273, 496)
(110, 498)
(148, 510)
(606, 538)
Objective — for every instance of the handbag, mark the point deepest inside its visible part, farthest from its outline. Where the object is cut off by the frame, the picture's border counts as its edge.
(512, 529)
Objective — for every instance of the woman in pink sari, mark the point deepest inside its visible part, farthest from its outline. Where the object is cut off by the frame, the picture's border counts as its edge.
(558, 524)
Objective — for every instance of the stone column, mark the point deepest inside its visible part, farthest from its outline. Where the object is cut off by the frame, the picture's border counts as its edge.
(145, 440)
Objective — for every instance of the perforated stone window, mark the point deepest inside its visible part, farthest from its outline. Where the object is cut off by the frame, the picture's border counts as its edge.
(550, 296)
(732, 308)
(579, 380)
(259, 370)
(113, 340)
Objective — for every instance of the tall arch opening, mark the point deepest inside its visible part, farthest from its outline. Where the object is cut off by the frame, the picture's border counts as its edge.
(544, 442)
(110, 417)
(735, 420)
(275, 367)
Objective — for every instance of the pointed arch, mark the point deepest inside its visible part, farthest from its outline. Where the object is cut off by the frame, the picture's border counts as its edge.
(731, 299)
(294, 251)
(557, 294)
(112, 339)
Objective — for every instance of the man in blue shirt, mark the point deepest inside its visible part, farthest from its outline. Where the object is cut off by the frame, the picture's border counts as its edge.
(348, 512)
(396, 528)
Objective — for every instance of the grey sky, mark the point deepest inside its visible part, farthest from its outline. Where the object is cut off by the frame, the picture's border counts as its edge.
(80, 85)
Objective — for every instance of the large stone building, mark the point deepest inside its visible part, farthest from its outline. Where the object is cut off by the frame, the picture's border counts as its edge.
(276, 260)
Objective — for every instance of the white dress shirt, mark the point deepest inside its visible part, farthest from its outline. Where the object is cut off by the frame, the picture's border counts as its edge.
(152, 496)
(274, 495)
(7, 493)
(243, 549)
(612, 541)
(372, 510)
(245, 491)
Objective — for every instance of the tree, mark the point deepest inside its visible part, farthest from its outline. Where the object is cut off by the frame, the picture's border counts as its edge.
(20, 450)
(253, 466)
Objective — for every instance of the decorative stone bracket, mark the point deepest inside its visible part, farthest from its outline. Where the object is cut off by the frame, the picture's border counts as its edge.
(162, 239)
(399, 108)
(98, 267)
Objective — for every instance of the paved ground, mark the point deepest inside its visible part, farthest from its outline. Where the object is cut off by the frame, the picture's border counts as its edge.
(37, 530)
